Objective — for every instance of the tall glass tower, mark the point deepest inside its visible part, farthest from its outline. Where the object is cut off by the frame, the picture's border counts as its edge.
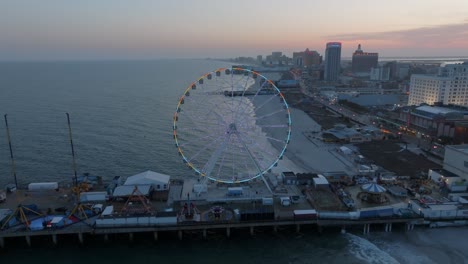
(332, 61)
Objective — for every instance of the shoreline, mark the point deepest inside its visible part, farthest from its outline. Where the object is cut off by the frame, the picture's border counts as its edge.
(307, 154)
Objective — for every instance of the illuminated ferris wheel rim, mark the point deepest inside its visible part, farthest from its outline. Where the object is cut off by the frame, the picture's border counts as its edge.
(231, 126)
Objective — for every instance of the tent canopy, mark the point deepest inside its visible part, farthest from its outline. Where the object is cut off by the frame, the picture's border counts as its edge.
(127, 190)
(373, 188)
(149, 178)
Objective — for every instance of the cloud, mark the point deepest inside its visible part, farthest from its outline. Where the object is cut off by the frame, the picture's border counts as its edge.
(451, 35)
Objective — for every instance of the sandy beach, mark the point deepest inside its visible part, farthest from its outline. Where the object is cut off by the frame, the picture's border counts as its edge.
(304, 154)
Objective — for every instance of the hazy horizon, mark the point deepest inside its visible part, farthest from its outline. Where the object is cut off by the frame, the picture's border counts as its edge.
(134, 30)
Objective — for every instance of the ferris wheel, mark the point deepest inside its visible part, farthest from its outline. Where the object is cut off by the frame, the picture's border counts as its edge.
(232, 125)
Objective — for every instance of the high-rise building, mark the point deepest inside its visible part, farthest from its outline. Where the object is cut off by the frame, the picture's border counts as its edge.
(380, 73)
(398, 70)
(259, 59)
(332, 61)
(306, 58)
(363, 62)
(450, 86)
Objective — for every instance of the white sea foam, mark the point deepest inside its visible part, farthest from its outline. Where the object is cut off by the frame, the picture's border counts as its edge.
(404, 253)
(364, 250)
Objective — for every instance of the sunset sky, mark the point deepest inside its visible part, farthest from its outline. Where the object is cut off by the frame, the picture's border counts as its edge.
(152, 29)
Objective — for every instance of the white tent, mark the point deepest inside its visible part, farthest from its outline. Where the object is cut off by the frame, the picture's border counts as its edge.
(346, 150)
(320, 181)
(160, 182)
(127, 190)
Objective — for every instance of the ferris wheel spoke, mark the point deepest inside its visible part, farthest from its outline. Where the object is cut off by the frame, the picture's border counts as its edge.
(222, 162)
(203, 118)
(198, 140)
(242, 97)
(242, 105)
(205, 148)
(275, 139)
(273, 126)
(209, 166)
(274, 96)
(201, 124)
(255, 143)
(244, 112)
(270, 114)
(250, 155)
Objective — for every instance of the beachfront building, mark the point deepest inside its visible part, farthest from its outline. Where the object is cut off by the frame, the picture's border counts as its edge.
(449, 86)
(437, 121)
(332, 61)
(363, 62)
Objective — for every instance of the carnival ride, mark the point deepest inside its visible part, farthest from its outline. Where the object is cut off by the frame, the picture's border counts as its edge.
(231, 125)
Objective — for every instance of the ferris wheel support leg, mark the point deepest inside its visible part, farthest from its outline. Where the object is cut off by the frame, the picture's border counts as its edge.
(266, 183)
(256, 165)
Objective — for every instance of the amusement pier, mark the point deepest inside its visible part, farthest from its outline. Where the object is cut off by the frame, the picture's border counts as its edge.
(259, 160)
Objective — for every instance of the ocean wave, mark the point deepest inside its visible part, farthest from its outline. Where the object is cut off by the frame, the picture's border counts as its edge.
(365, 250)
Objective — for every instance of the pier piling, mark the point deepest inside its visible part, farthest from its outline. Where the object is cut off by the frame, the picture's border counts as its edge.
(80, 238)
(366, 229)
(28, 240)
(409, 226)
(388, 227)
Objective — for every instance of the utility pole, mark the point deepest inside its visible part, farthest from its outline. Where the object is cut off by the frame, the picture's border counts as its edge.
(13, 166)
(75, 180)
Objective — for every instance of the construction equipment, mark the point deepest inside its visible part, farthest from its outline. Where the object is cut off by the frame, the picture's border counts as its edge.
(21, 213)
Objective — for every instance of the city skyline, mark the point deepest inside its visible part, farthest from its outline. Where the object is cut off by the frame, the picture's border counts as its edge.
(60, 30)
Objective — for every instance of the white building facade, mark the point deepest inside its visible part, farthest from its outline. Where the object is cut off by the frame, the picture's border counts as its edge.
(456, 160)
(450, 86)
(380, 74)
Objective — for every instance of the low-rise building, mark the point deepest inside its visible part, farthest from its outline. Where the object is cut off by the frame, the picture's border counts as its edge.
(456, 160)
(436, 121)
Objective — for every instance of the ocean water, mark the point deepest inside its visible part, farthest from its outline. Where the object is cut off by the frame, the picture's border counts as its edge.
(121, 114)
